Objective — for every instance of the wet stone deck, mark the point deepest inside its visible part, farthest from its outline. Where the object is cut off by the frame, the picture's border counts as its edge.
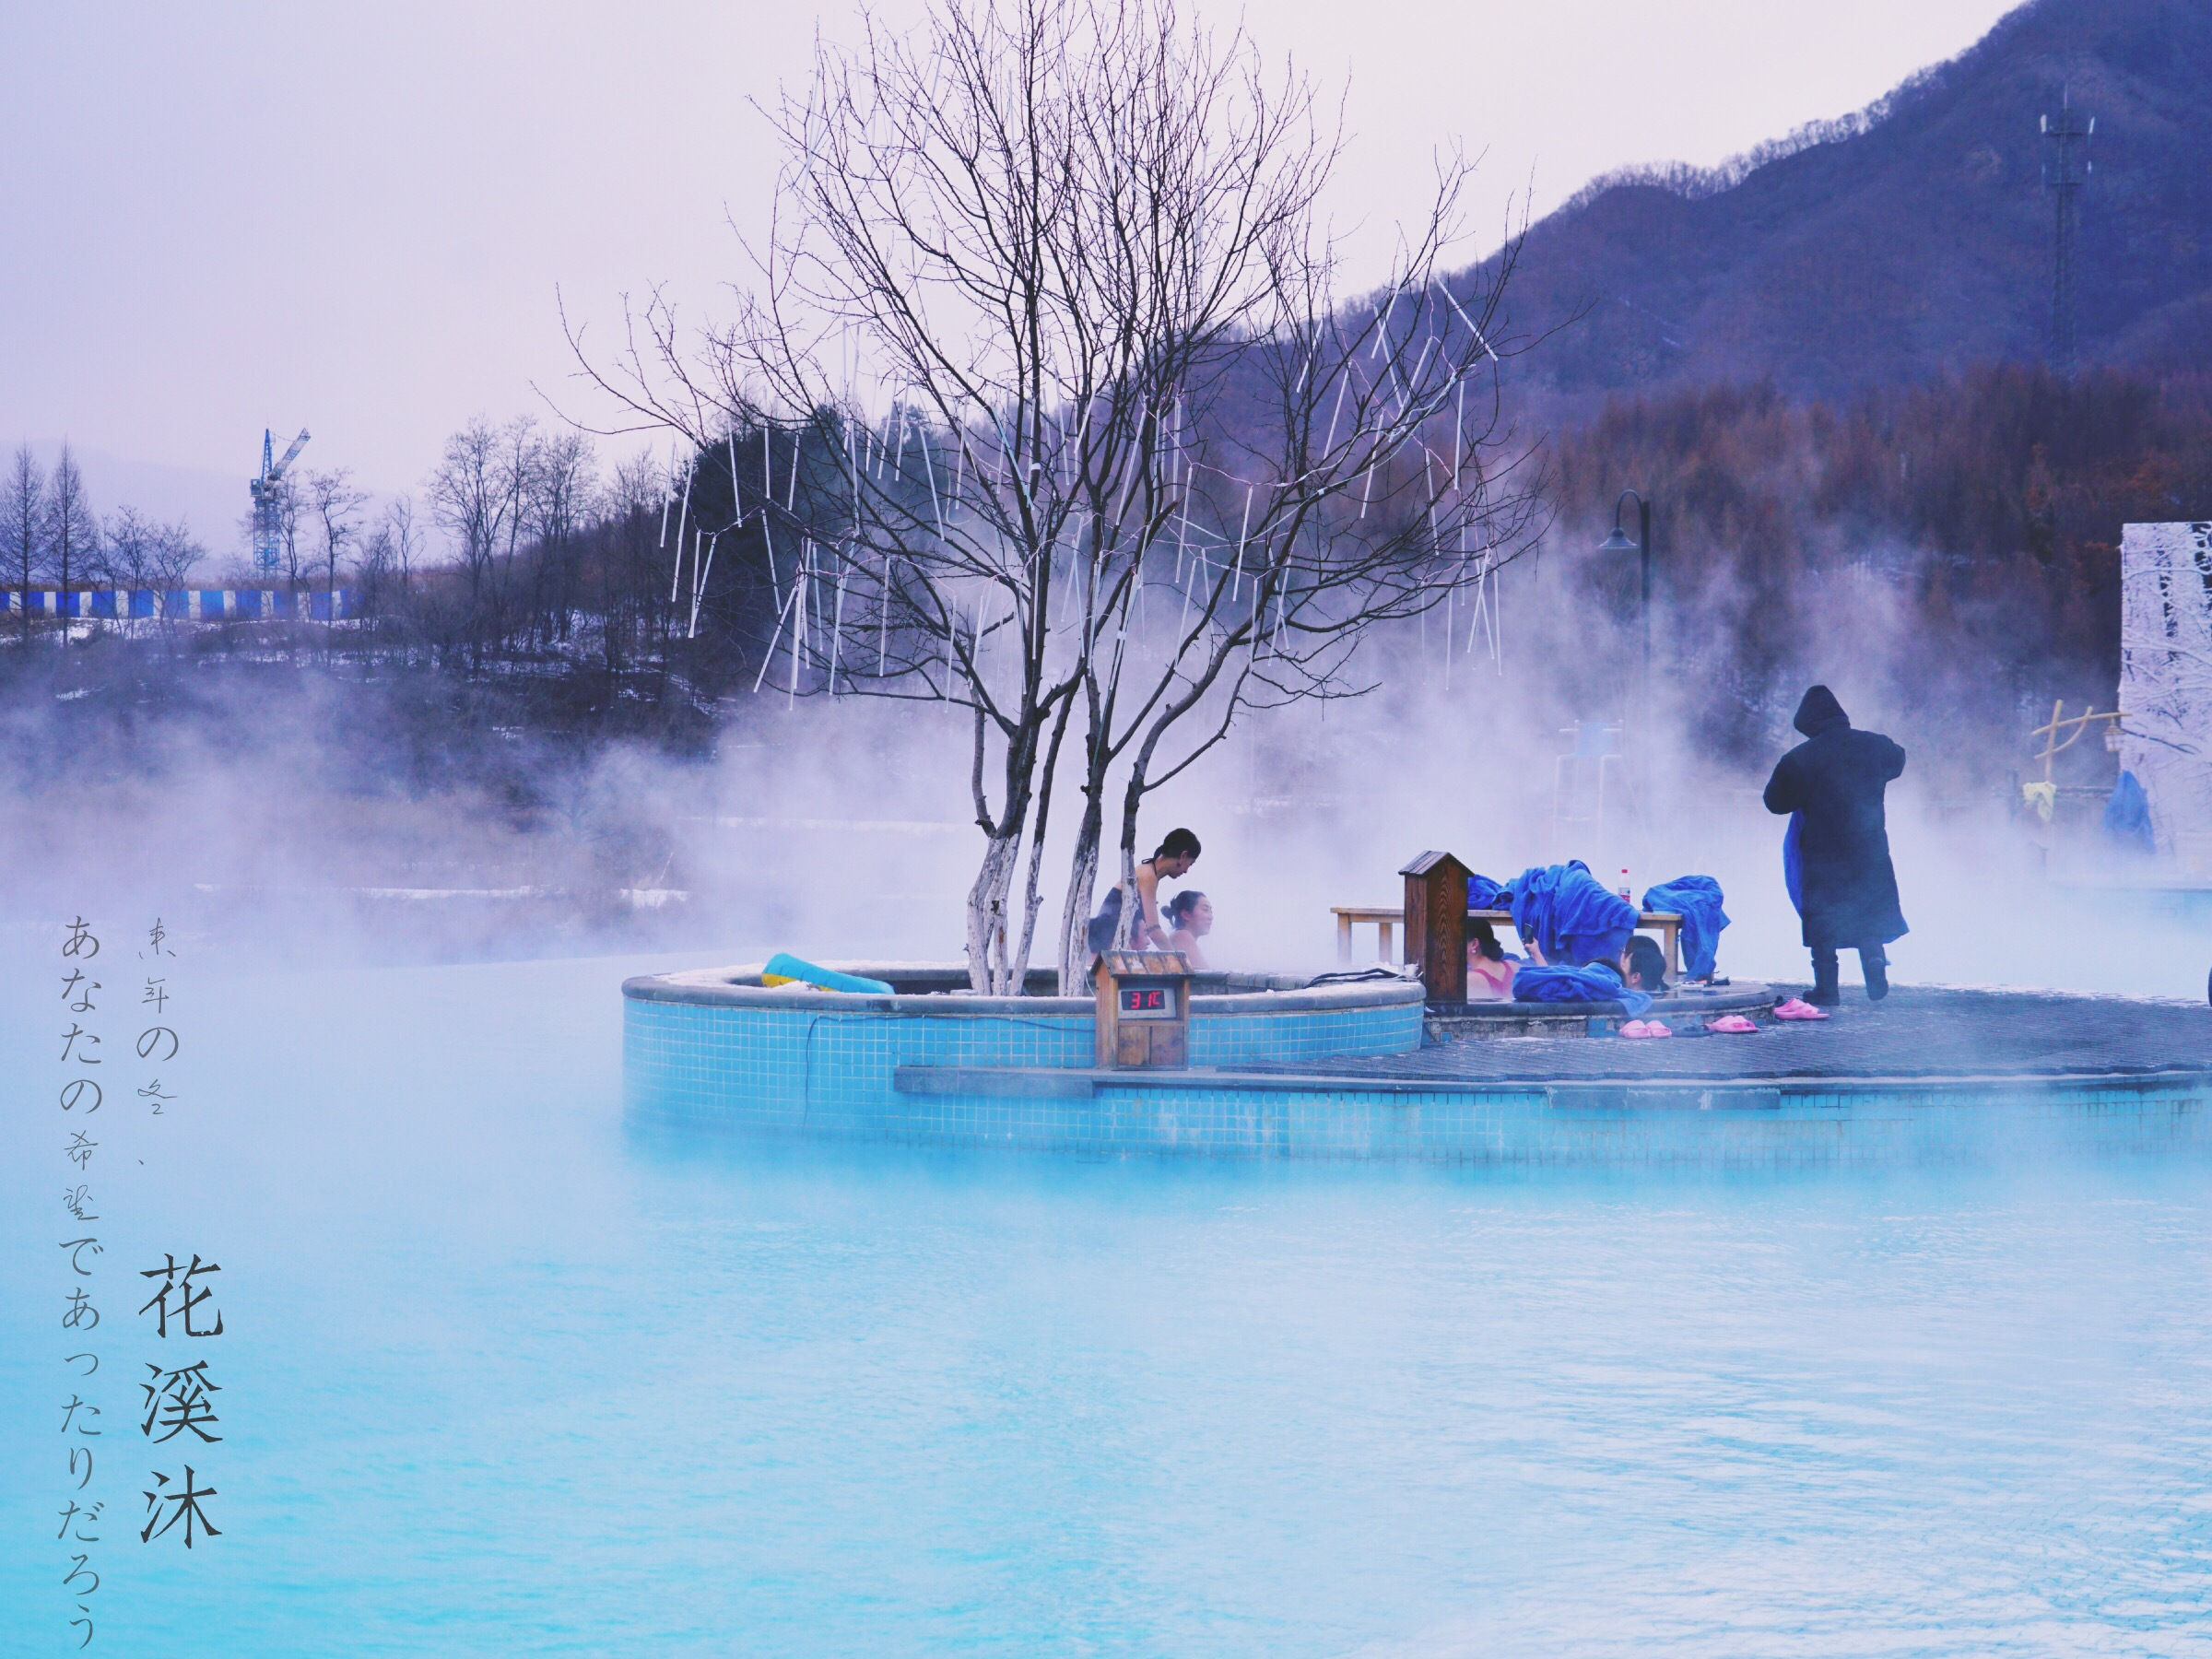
(1917, 1033)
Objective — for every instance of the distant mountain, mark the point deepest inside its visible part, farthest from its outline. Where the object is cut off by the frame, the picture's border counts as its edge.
(1913, 239)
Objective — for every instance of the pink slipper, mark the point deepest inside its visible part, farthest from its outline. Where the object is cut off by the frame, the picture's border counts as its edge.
(1798, 1008)
(1730, 1024)
(1646, 1027)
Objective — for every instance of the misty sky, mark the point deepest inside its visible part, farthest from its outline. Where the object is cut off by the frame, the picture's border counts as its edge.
(220, 216)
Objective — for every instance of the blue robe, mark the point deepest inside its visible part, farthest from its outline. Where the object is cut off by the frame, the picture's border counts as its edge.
(1596, 984)
(1483, 893)
(1697, 899)
(2127, 815)
(1570, 915)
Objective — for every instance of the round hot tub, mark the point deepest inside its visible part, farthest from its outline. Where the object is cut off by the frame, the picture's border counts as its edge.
(932, 1063)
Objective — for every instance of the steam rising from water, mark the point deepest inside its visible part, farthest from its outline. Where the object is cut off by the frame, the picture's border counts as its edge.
(304, 811)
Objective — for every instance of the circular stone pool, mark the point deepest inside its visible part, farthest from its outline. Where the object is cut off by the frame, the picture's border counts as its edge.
(933, 1063)
(1340, 1071)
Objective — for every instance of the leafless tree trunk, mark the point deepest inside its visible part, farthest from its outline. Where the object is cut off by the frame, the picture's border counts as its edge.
(335, 506)
(174, 555)
(23, 524)
(564, 485)
(71, 532)
(474, 494)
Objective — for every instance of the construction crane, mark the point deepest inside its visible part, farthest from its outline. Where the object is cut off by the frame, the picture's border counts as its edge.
(268, 499)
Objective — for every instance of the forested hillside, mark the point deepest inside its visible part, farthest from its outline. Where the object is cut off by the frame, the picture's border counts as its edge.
(1912, 240)
(1984, 508)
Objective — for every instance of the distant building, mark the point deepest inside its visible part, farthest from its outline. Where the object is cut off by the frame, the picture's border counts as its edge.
(183, 605)
(2165, 680)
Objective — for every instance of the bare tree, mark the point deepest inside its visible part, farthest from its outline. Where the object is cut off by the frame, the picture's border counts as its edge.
(139, 553)
(561, 482)
(175, 554)
(478, 495)
(127, 543)
(632, 607)
(1140, 460)
(334, 507)
(387, 561)
(405, 540)
(72, 534)
(23, 524)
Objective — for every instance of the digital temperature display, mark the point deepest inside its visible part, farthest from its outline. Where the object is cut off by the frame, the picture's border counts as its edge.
(1147, 999)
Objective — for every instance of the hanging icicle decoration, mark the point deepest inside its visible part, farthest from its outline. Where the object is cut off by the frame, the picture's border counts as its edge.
(1497, 587)
(798, 625)
(883, 616)
(1474, 620)
(1436, 536)
(952, 625)
(1344, 382)
(930, 471)
(1184, 622)
(699, 579)
(837, 628)
(1135, 467)
(1237, 584)
(1405, 386)
(769, 655)
(768, 541)
(1479, 340)
(675, 579)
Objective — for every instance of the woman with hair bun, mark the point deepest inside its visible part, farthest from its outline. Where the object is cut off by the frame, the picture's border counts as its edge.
(1189, 916)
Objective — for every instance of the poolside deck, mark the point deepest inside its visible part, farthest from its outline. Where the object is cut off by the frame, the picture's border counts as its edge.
(1918, 1033)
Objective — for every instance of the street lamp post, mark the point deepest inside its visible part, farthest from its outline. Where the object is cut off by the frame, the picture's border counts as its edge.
(1619, 542)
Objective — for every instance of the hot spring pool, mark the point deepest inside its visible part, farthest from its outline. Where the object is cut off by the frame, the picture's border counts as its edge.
(507, 1375)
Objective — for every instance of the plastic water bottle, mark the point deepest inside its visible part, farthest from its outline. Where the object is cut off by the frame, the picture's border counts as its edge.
(1624, 887)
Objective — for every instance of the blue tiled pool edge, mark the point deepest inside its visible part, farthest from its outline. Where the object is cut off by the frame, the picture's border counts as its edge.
(832, 1073)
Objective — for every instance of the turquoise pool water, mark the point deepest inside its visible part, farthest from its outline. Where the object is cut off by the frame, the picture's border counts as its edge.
(507, 1375)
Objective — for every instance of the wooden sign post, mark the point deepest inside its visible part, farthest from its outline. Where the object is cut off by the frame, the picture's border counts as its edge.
(1436, 924)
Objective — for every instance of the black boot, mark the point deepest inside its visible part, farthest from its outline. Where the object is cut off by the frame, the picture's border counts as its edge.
(1825, 994)
(1875, 966)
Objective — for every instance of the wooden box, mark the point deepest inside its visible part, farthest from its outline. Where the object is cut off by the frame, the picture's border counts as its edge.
(1144, 1017)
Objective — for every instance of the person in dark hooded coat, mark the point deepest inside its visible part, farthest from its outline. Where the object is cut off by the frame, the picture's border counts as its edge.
(1847, 887)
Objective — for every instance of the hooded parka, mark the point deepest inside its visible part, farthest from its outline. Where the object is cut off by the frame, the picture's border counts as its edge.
(1847, 895)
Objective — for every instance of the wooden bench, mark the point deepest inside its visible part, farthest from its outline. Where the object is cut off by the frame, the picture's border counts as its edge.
(1387, 919)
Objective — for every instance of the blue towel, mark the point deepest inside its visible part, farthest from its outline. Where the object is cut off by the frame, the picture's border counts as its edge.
(1697, 899)
(1596, 984)
(1792, 861)
(1573, 918)
(2126, 816)
(1482, 893)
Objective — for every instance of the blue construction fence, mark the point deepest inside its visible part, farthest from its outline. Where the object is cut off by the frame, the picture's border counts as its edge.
(186, 605)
